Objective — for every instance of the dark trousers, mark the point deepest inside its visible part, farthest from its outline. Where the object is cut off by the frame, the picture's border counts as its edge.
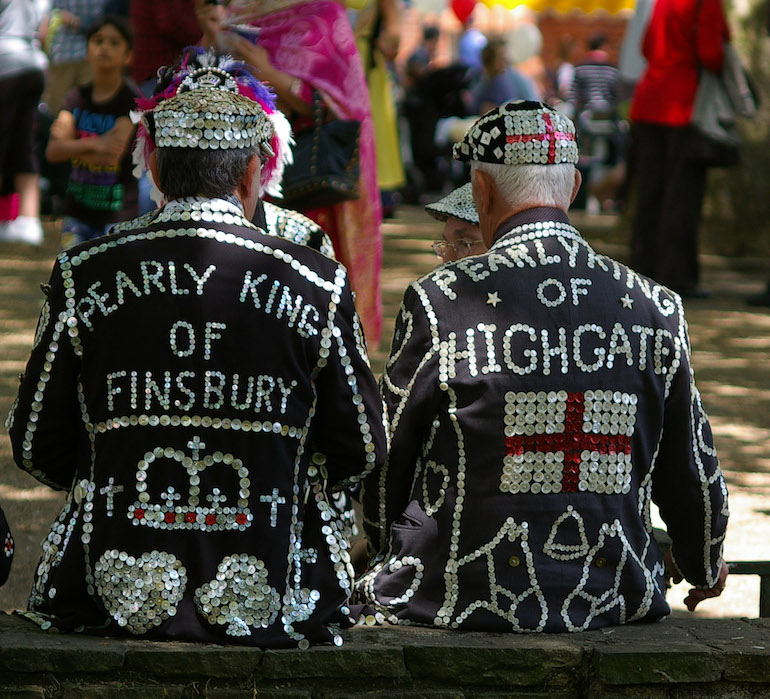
(670, 189)
(19, 96)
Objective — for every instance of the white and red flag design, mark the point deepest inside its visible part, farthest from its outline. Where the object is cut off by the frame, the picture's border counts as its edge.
(564, 442)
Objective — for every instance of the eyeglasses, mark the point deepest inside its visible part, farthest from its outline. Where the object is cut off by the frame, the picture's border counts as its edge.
(461, 248)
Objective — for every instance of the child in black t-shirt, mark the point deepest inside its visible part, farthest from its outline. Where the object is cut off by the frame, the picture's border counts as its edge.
(94, 132)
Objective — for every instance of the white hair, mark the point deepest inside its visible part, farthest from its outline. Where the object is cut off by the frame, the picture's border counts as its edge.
(531, 185)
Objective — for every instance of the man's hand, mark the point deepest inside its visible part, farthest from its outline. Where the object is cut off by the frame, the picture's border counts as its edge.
(61, 128)
(696, 595)
(209, 18)
(256, 56)
(70, 20)
(111, 145)
(389, 41)
(359, 558)
(672, 571)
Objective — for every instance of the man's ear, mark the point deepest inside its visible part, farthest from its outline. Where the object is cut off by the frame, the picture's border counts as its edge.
(484, 190)
(249, 184)
(248, 188)
(576, 185)
(153, 163)
(483, 187)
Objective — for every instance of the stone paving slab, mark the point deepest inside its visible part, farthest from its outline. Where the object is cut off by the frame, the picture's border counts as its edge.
(697, 657)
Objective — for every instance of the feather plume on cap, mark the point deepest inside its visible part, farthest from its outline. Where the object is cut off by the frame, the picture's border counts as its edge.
(201, 69)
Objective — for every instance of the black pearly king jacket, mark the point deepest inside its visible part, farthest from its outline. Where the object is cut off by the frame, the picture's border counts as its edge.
(198, 388)
(538, 398)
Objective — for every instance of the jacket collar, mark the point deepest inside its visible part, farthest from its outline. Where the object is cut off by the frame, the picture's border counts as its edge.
(535, 215)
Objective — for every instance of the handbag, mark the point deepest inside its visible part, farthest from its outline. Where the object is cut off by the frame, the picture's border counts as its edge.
(714, 140)
(326, 163)
(719, 101)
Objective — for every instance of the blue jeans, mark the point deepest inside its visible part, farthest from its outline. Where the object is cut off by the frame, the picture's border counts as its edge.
(74, 231)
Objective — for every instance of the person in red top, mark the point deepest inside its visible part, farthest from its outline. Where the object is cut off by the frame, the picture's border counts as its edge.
(683, 36)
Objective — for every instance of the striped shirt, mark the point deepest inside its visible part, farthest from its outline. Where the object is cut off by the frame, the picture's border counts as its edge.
(595, 87)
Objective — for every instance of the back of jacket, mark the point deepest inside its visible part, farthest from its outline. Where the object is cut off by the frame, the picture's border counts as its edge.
(198, 388)
(539, 397)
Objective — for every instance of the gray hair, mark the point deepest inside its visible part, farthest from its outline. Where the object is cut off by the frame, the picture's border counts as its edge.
(191, 172)
(534, 185)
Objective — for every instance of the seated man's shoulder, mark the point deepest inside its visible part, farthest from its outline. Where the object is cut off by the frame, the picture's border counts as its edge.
(142, 221)
(650, 294)
(294, 226)
(467, 267)
(306, 260)
(304, 246)
(474, 280)
(447, 278)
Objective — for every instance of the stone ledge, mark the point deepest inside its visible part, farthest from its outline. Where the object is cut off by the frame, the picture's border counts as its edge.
(679, 657)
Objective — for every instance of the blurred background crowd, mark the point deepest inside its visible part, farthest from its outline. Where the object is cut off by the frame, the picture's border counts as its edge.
(422, 71)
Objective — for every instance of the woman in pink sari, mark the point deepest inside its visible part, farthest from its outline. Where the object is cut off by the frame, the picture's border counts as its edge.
(306, 45)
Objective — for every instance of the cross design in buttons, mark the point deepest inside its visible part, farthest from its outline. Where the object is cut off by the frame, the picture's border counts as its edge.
(196, 445)
(110, 490)
(308, 555)
(274, 499)
(170, 496)
(567, 442)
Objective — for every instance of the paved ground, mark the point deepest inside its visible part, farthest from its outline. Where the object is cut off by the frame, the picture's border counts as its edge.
(731, 360)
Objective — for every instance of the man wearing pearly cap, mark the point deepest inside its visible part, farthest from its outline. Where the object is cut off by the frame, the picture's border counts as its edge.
(539, 398)
(198, 389)
(461, 235)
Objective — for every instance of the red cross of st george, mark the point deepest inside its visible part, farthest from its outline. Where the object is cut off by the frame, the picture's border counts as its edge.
(572, 442)
(550, 135)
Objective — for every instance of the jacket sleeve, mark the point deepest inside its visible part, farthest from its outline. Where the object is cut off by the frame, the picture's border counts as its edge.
(348, 428)
(688, 485)
(711, 34)
(410, 394)
(6, 549)
(45, 422)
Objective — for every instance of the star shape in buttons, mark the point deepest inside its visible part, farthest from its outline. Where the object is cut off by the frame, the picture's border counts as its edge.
(493, 299)
(627, 301)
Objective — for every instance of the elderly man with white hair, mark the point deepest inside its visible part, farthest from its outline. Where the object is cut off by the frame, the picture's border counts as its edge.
(539, 398)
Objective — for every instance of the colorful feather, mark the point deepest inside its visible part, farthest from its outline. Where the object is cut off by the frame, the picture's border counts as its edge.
(170, 83)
